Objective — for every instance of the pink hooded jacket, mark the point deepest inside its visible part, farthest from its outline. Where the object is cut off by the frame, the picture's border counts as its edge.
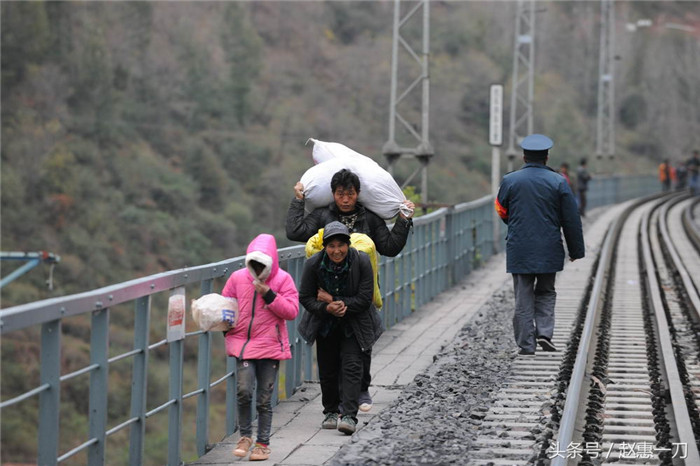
(261, 330)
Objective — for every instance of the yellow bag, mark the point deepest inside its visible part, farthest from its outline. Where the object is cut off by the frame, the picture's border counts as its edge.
(361, 242)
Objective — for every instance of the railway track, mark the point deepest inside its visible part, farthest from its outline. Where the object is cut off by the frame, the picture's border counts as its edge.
(625, 385)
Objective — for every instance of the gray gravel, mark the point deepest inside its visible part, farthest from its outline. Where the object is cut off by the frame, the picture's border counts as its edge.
(437, 415)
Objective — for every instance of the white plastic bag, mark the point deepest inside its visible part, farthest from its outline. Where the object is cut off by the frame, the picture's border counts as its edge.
(379, 192)
(213, 312)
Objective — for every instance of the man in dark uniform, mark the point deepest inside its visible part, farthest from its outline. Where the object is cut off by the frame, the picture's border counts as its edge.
(345, 186)
(537, 204)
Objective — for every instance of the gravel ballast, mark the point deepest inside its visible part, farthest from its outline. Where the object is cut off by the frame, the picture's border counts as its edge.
(438, 414)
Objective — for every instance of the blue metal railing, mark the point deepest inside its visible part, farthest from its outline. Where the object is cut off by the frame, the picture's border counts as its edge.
(444, 247)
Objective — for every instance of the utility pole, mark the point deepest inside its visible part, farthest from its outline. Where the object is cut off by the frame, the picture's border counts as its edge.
(496, 139)
(523, 87)
(422, 151)
(605, 141)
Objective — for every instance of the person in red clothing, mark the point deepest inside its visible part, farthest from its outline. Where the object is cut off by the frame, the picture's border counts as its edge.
(267, 298)
(665, 175)
(564, 171)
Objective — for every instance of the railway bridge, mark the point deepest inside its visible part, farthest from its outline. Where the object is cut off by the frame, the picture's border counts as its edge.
(624, 383)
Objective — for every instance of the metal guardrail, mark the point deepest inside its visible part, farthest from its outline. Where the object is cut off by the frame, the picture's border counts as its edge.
(444, 247)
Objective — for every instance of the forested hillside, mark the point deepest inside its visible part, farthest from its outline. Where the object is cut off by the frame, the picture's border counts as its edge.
(140, 137)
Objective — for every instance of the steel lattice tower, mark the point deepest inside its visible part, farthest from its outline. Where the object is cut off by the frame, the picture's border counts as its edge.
(422, 151)
(605, 142)
(523, 83)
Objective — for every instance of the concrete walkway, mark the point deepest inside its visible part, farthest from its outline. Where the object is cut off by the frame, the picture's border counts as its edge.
(402, 352)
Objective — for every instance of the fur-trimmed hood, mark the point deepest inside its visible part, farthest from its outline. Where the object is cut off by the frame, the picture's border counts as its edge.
(263, 249)
(261, 330)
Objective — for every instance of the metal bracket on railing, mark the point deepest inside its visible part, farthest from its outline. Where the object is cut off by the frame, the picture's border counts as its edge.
(33, 259)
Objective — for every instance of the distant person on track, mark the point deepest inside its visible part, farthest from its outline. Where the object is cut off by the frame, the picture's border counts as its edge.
(537, 204)
(582, 179)
(681, 175)
(336, 291)
(267, 298)
(665, 175)
(345, 186)
(693, 166)
(564, 171)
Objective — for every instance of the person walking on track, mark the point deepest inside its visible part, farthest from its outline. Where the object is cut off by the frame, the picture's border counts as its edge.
(267, 297)
(582, 179)
(537, 204)
(345, 186)
(336, 290)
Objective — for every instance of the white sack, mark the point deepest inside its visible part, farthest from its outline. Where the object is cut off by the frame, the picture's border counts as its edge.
(379, 192)
(213, 312)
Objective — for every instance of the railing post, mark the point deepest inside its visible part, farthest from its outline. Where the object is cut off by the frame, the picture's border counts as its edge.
(289, 368)
(49, 400)
(231, 390)
(388, 275)
(407, 280)
(139, 379)
(203, 374)
(449, 248)
(175, 410)
(418, 275)
(99, 384)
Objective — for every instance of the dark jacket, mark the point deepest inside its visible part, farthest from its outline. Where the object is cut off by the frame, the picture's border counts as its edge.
(388, 242)
(360, 314)
(537, 204)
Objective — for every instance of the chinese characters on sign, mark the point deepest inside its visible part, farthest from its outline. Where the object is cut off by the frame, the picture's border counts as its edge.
(496, 115)
(623, 450)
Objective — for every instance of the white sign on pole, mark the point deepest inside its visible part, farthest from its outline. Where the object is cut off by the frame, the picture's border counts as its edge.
(496, 115)
(176, 314)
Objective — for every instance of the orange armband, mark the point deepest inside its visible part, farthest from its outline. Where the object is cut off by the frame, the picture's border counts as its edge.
(500, 210)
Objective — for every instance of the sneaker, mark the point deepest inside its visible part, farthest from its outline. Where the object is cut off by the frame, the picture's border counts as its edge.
(522, 352)
(260, 453)
(365, 402)
(330, 421)
(243, 446)
(546, 344)
(347, 425)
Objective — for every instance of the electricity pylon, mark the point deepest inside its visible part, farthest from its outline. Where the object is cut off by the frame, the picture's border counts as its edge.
(605, 141)
(523, 86)
(422, 151)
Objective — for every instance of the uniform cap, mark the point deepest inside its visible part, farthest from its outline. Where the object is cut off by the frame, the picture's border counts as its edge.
(335, 229)
(536, 142)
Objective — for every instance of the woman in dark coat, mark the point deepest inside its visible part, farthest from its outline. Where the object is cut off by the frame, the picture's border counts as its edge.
(336, 291)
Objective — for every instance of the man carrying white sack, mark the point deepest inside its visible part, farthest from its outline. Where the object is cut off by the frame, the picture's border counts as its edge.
(345, 186)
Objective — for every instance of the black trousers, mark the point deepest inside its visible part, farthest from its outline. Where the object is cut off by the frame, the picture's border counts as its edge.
(366, 375)
(340, 369)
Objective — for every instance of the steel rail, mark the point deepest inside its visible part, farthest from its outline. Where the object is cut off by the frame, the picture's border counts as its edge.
(684, 428)
(574, 401)
(691, 228)
(573, 396)
(682, 270)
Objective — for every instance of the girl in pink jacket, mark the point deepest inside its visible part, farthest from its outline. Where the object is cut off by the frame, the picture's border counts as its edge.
(267, 297)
